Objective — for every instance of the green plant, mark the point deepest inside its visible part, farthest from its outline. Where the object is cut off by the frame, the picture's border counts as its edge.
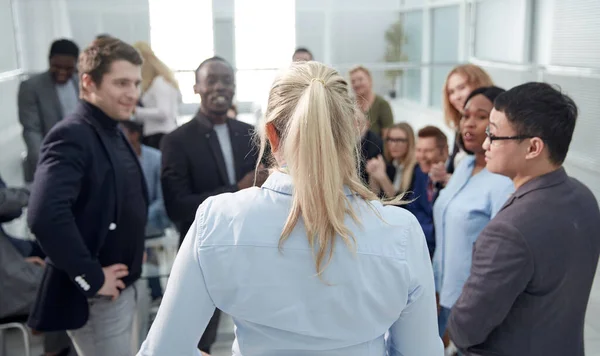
(395, 39)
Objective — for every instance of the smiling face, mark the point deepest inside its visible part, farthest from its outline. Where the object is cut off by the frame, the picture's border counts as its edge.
(428, 153)
(361, 83)
(118, 91)
(458, 90)
(216, 86)
(62, 67)
(474, 121)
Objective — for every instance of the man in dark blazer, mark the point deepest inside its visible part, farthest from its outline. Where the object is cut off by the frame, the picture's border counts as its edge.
(431, 148)
(534, 264)
(88, 209)
(46, 98)
(209, 155)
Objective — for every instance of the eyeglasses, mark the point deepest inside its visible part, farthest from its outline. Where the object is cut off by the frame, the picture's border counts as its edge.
(396, 140)
(493, 138)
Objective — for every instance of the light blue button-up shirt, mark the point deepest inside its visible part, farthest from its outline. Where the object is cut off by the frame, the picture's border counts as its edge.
(462, 210)
(378, 300)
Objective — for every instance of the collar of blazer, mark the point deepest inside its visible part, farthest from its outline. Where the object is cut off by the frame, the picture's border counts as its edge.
(239, 133)
(542, 182)
(88, 112)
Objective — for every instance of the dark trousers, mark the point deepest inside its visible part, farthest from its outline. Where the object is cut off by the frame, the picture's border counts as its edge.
(153, 140)
(210, 334)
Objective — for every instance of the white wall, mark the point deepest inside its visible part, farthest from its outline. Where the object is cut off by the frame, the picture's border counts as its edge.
(127, 20)
(347, 33)
(11, 144)
(43, 21)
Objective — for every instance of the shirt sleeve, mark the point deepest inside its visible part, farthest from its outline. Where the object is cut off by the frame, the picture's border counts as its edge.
(415, 333)
(501, 269)
(186, 307)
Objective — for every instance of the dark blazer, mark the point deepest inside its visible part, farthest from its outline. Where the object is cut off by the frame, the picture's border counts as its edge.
(421, 207)
(371, 146)
(533, 268)
(193, 167)
(75, 201)
(39, 111)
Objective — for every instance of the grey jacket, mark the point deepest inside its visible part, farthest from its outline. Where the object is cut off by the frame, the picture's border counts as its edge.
(39, 111)
(532, 272)
(19, 280)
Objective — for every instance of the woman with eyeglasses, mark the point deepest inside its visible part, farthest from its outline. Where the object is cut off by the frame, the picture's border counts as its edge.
(394, 177)
(470, 200)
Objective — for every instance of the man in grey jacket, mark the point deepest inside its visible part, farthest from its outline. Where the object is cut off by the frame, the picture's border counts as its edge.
(21, 270)
(45, 98)
(534, 264)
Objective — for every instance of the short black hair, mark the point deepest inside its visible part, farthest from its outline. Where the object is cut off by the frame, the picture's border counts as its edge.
(491, 92)
(302, 50)
(211, 59)
(539, 110)
(133, 126)
(64, 47)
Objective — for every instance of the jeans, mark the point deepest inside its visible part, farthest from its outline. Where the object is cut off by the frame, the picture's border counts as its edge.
(443, 320)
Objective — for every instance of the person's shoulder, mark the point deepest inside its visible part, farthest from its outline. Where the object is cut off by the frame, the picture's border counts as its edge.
(73, 127)
(240, 125)
(36, 78)
(222, 209)
(185, 130)
(381, 101)
(582, 190)
(400, 224)
(31, 84)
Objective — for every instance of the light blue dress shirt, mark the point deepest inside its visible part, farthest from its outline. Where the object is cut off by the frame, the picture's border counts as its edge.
(150, 160)
(462, 210)
(230, 260)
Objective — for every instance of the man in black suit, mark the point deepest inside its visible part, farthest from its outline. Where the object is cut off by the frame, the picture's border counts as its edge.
(88, 209)
(534, 263)
(209, 155)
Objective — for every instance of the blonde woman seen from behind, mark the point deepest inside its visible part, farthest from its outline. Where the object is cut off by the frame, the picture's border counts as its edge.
(160, 97)
(311, 263)
(394, 177)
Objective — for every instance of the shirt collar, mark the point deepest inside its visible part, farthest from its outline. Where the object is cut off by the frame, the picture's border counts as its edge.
(282, 183)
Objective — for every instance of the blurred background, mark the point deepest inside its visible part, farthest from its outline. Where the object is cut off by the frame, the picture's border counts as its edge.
(409, 46)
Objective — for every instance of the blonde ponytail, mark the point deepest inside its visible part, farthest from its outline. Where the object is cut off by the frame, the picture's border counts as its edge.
(317, 122)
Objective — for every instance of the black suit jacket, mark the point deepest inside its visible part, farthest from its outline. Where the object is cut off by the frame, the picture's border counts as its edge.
(193, 167)
(371, 146)
(532, 272)
(75, 201)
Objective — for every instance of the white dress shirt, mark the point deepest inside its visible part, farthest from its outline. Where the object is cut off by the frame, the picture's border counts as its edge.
(378, 300)
(160, 110)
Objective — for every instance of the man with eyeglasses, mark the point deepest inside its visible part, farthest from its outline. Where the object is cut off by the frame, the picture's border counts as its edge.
(534, 264)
